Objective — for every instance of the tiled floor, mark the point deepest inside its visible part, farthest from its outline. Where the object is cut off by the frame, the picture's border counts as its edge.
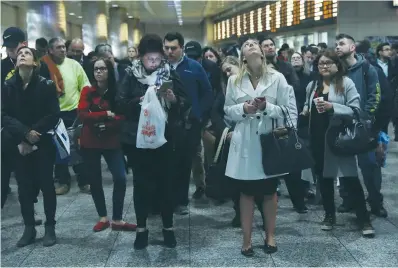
(205, 238)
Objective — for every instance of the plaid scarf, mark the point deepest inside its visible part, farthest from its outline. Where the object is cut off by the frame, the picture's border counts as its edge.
(156, 78)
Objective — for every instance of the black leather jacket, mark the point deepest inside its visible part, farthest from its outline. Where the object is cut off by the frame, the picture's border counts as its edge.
(33, 108)
(128, 104)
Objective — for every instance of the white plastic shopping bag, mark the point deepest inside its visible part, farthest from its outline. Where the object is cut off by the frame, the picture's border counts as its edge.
(152, 123)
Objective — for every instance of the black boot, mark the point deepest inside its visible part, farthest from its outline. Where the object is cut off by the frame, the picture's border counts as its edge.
(169, 238)
(141, 240)
(28, 237)
(49, 238)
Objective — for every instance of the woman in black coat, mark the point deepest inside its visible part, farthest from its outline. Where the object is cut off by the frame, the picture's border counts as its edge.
(31, 102)
(152, 168)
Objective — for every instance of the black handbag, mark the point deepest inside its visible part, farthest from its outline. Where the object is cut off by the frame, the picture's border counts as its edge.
(218, 186)
(283, 151)
(352, 138)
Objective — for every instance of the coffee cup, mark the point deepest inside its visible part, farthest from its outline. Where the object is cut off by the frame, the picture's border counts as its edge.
(316, 101)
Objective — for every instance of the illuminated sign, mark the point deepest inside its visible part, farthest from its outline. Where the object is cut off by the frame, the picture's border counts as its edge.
(277, 16)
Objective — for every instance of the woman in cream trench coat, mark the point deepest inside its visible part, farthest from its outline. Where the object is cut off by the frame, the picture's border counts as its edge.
(254, 97)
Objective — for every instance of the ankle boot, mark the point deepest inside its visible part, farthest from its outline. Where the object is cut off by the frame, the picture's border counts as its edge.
(49, 238)
(141, 239)
(169, 238)
(28, 237)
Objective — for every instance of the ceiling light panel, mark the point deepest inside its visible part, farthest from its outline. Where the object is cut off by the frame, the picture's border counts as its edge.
(177, 6)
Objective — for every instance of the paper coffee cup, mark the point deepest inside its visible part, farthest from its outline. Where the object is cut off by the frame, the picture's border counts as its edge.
(316, 100)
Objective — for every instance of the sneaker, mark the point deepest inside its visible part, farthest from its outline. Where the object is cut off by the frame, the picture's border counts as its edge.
(198, 193)
(368, 230)
(344, 208)
(182, 210)
(328, 222)
(381, 212)
(301, 210)
(310, 194)
(62, 189)
(278, 192)
(85, 189)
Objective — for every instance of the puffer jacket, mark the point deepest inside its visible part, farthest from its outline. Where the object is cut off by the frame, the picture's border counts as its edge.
(128, 104)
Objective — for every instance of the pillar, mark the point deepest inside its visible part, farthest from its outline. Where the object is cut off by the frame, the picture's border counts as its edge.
(118, 31)
(45, 19)
(135, 31)
(95, 24)
(208, 32)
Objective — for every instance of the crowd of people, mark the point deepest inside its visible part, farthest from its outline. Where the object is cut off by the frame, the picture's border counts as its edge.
(229, 96)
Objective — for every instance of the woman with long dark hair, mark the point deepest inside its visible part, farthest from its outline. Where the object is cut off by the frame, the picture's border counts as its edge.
(101, 137)
(211, 54)
(32, 101)
(331, 99)
(152, 168)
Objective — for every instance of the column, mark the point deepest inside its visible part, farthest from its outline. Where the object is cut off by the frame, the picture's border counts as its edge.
(118, 31)
(95, 24)
(208, 30)
(45, 19)
(135, 31)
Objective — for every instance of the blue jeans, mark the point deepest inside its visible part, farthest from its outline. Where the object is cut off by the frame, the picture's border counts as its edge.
(372, 178)
(115, 161)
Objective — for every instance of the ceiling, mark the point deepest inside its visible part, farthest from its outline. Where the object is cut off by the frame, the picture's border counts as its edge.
(157, 12)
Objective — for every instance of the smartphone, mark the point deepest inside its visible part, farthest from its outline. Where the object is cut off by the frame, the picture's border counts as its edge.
(261, 99)
(165, 86)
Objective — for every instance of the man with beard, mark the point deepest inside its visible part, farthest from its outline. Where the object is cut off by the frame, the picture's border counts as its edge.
(366, 80)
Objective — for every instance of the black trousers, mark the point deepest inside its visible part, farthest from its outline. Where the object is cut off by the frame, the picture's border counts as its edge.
(353, 187)
(153, 169)
(185, 157)
(36, 171)
(61, 171)
(8, 160)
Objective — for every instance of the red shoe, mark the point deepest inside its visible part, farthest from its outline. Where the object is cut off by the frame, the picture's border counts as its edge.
(124, 227)
(100, 226)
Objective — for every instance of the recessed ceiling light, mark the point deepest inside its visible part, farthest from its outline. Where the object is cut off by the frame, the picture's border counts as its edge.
(114, 5)
(80, 17)
(72, 14)
(130, 17)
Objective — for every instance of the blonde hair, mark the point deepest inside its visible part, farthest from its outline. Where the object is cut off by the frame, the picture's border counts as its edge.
(230, 60)
(243, 70)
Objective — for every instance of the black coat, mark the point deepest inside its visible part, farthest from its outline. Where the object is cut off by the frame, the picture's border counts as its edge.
(35, 108)
(288, 72)
(128, 104)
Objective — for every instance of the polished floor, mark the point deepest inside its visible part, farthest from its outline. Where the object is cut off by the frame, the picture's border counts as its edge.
(205, 238)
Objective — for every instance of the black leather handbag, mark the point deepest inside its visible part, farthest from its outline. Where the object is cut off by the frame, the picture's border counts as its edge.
(352, 138)
(283, 151)
(218, 186)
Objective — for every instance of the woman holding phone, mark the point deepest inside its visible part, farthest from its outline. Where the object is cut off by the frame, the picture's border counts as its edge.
(251, 102)
(152, 168)
(330, 99)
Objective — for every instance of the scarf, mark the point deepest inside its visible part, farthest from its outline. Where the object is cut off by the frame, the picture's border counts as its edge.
(55, 75)
(154, 79)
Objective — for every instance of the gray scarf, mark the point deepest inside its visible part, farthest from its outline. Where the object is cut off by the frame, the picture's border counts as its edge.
(156, 78)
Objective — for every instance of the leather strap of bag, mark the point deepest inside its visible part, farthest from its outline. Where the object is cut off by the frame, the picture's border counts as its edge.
(220, 144)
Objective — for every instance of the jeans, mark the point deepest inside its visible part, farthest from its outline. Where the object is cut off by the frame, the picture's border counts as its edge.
(61, 171)
(198, 170)
(372, 177)
(153, 171)
(36, 171)
(115, 161)
(353, 187)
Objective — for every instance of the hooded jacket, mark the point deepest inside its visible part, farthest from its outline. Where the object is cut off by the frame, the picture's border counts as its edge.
(369, 90)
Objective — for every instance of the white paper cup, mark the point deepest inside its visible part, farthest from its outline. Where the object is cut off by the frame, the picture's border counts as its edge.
(316, 100)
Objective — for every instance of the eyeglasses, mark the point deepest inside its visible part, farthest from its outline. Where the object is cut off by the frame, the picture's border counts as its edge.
(326, 64)
(154, 60)
(101, 69)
